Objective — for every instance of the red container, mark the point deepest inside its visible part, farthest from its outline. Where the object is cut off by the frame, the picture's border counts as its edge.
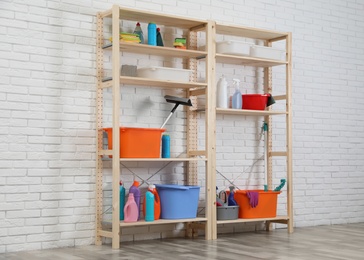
(255, 101)
(138, 142)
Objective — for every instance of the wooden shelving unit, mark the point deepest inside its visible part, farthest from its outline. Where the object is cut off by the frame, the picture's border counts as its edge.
(268, 37)
(192, 90)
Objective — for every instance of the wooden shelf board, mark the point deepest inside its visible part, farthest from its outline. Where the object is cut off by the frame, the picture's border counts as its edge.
(248, 61)
(159, 51)
(162, 159)
(160, 222)
(247, 112)
(136, 81)
(159, 83)
(249, 32)
(244, 220)
(160, 19)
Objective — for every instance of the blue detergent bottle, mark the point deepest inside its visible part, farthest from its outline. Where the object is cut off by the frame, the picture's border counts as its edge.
(149, 207)
(231, 200)
(152, 34)
(166, 146)
(122, 200)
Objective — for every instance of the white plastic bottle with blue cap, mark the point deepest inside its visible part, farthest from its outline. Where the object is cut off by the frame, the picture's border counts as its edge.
(237, 100)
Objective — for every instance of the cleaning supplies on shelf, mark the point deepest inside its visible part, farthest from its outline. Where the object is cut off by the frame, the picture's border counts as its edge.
(138, 31)
(237, 102)
(278, 188)
(152, 34)
(128, 37)
(159, 38)
(180, 43)
(222, 95)
(131, 209)
(149, 206)
(166, 146)
(122, 200)
(157, 203)
(136, 195)
(231, 200)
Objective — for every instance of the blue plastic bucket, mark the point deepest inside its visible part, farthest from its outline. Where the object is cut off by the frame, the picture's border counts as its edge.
(178, 201)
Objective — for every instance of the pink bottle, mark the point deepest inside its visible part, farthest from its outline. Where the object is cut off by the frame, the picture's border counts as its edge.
(131, 209)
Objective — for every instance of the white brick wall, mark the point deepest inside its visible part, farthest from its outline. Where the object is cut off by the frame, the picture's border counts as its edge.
(47, 78)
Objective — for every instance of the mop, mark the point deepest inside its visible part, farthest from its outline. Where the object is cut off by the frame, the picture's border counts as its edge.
(177, 101)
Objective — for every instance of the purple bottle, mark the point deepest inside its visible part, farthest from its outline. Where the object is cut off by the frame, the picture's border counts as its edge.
(135, 190)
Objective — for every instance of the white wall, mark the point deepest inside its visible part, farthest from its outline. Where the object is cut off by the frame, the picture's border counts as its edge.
(47, 126)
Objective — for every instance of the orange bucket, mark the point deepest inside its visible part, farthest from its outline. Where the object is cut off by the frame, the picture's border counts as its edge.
(138, 142)
(266, 208)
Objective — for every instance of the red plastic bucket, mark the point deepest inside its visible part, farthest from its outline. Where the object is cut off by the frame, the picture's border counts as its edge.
(255, 101)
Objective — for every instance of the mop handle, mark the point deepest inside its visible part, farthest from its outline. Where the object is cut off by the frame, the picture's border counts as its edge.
(172, 111)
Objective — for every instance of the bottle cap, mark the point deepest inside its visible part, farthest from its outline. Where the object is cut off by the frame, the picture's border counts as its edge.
(138, 24)
(121, 183)
(151, 187)
(158, 29)
(136, 183)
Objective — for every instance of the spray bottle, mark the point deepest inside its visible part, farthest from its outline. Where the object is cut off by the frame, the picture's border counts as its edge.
(237, 101)
(231, 200)
(136, 194)
(122, 200)
(222, 95)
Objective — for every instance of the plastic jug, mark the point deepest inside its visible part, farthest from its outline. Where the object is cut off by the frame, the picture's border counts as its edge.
(157, 204)
(237, 101)
(138, 31)
(122, 200)
(131, 210)
(136, 193)
(222, 94)
(149, 206)
(152, 34)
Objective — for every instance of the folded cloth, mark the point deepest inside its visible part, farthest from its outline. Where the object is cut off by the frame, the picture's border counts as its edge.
(253, 198)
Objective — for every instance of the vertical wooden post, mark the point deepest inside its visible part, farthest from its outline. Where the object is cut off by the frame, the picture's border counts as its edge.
(268, 88)
(115, 124)
(192, 128)
(289, 131)
(99, 113)
(210, 110)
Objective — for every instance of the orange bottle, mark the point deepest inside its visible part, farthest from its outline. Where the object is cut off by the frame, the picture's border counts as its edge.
(157, 203)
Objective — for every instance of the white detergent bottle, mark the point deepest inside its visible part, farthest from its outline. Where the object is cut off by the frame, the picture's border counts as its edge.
(222, 93)
(237, 102)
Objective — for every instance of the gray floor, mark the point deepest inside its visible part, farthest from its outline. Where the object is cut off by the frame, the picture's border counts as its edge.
(324, 242)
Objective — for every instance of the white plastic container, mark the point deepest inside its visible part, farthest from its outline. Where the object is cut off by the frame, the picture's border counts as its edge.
(162, 73)
(234, 48)
(222, 93)
(267, 52)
